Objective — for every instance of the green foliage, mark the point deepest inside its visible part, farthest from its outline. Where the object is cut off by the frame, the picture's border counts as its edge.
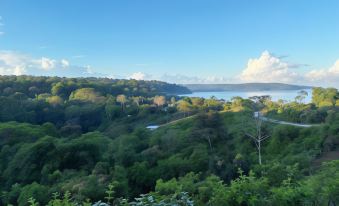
(32, 202)
(80, 135)
(181, 199)
(323, 187)
(247, 190)
(86, 94)
(324, 97)
(110, 192)
(32, 192)
(64, 200)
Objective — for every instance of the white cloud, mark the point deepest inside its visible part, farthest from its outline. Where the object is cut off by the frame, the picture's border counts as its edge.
(11, 58)
(15, 63)
(178, 78)
(217, 80)
(12, 63)
(183, 79)
(47, 64)
(327, 77)
(266, 68)
(269, 68)
(335, 68)
(64, 63)
(140, 76)
(19, 70)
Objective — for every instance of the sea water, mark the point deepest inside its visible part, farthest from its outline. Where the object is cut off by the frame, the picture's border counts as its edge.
(287, 95)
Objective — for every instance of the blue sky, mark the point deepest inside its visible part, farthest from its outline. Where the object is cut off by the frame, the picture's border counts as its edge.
(182, 41)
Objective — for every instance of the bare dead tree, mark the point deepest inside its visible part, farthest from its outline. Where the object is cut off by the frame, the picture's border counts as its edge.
(258, 137)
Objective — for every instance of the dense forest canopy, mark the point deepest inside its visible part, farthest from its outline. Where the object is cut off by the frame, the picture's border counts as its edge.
(31, 86)
(74, 141)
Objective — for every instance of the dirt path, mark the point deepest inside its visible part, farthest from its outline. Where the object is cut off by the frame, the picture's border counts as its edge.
(178, 120)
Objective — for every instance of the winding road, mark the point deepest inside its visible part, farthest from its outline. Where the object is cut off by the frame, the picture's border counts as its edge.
(257, 115)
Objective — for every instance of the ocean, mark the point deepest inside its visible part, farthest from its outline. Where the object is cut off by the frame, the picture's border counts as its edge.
(287, 95)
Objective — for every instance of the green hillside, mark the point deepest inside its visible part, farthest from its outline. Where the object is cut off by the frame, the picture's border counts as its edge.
(80, 146)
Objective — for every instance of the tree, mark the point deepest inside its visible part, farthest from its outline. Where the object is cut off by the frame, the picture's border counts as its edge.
(332, 95)
(237, 104)
(301, 96)
(324, 97)
(159, 100)
(323, 187)
(173, 101)
(8, 91)
(260, 100)
(137, 100)
(213, 102)
(33, 90)
(281, 104)
(184, 107)
(54, 100)
(258, 137)
(35, 191)
(20, 97)
(197, 101)
(87, 94)
(112, 111)
(247, 190)
(58, 89)
(122, 99)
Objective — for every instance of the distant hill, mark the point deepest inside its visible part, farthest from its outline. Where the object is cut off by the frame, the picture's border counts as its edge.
(62, 86)
(243, 87)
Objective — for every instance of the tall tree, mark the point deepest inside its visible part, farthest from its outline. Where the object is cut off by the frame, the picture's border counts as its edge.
(122, 99)
(136, 100)
(159, 100)
(301, 96)
(184, 107)
(257, 136)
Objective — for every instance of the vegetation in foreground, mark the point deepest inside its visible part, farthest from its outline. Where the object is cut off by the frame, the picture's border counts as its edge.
(75, 141)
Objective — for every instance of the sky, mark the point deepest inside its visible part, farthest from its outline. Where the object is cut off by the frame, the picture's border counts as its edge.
(178, 41)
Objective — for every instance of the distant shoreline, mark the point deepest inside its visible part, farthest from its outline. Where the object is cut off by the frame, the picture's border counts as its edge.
(287, 95)
(246, 87)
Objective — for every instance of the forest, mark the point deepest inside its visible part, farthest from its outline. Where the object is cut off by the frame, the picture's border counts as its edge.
(85, 141)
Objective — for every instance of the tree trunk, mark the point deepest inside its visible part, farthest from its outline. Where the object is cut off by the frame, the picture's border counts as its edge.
(209, 142)
(259, 151)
